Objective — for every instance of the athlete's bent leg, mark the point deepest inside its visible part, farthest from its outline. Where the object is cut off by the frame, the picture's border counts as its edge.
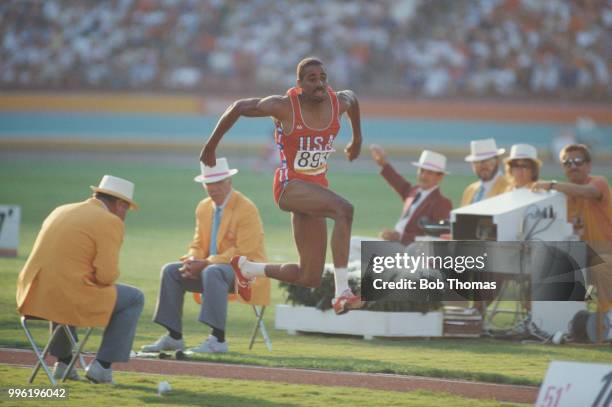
(310, 234)
(310, 204)
(307, 202)
(312, 199)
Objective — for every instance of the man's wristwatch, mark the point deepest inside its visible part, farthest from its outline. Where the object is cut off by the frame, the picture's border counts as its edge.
(551, 184)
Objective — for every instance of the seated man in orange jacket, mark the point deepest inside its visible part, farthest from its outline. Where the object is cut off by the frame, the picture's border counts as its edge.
(70, 277)
(227, 225)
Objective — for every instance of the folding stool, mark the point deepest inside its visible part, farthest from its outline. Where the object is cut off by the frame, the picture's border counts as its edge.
(77, 348)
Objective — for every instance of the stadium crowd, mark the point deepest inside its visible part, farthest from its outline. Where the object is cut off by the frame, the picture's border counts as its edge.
(544, 48)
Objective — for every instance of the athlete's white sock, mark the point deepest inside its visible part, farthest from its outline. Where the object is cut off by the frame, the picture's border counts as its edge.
(251, 269)
(341, 279)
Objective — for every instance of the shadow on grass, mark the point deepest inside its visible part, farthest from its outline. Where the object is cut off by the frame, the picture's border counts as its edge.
(194, 398)
(145, 391)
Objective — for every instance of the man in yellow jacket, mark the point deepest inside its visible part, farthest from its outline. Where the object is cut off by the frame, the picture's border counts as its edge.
(227, 225)
(485, 159)
(69, 277)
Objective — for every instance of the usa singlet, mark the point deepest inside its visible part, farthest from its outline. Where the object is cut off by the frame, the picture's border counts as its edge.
(304, 151)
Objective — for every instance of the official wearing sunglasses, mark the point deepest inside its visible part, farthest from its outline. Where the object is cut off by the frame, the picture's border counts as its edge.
(573, 162)
(589, 205)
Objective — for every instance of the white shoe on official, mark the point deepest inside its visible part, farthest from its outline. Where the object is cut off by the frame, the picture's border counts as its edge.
(165, 342)
(58, 371)
(211, 345)
(95, 373)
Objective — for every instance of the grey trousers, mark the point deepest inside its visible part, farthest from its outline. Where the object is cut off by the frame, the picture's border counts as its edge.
(215, 282)
(118, 335)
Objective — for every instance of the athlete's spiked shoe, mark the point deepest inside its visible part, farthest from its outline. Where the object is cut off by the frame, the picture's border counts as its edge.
(243, 283)
(346, 302)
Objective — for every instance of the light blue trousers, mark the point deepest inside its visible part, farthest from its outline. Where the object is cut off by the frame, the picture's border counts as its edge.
(215, 282)
(118, 335)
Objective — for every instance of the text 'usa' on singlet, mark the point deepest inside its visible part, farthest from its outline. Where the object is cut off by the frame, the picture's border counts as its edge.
(304, 151)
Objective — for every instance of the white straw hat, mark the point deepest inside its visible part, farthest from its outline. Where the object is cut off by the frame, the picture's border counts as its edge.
(432, 161)
(483, 150)
(524, 152)
(217, 173)
(117, 187)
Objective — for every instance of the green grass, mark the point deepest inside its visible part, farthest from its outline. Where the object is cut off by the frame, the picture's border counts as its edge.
(138, 390)
(161, 230)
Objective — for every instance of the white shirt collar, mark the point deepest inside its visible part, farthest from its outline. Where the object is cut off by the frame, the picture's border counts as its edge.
(426, 192)
(227, 198)
(404, 219)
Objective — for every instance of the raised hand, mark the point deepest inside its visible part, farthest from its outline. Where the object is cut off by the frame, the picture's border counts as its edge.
(378, 154)
(352, 150)
(207, 155)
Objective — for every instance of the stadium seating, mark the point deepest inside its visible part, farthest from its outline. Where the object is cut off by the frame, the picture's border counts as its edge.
(417, 48)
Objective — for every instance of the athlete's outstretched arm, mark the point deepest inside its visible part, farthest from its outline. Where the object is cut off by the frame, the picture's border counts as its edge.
(350, 105)
(254, 107)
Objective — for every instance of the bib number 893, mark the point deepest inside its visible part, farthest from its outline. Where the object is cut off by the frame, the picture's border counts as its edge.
(311, 162)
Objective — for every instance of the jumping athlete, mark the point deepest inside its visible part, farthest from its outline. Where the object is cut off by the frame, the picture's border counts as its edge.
(307, 121)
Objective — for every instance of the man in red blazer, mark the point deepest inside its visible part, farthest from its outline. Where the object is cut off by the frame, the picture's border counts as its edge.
(421, 201)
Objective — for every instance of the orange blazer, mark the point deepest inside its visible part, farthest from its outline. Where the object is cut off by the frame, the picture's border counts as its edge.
(499, 187)
(240, 234)
(70, 274)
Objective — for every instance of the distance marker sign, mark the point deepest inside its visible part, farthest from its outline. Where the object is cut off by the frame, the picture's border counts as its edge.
(10, 217)
(571, 384)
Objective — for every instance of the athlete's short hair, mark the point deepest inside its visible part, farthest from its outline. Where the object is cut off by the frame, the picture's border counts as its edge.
(306, 62)
(576, 147)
